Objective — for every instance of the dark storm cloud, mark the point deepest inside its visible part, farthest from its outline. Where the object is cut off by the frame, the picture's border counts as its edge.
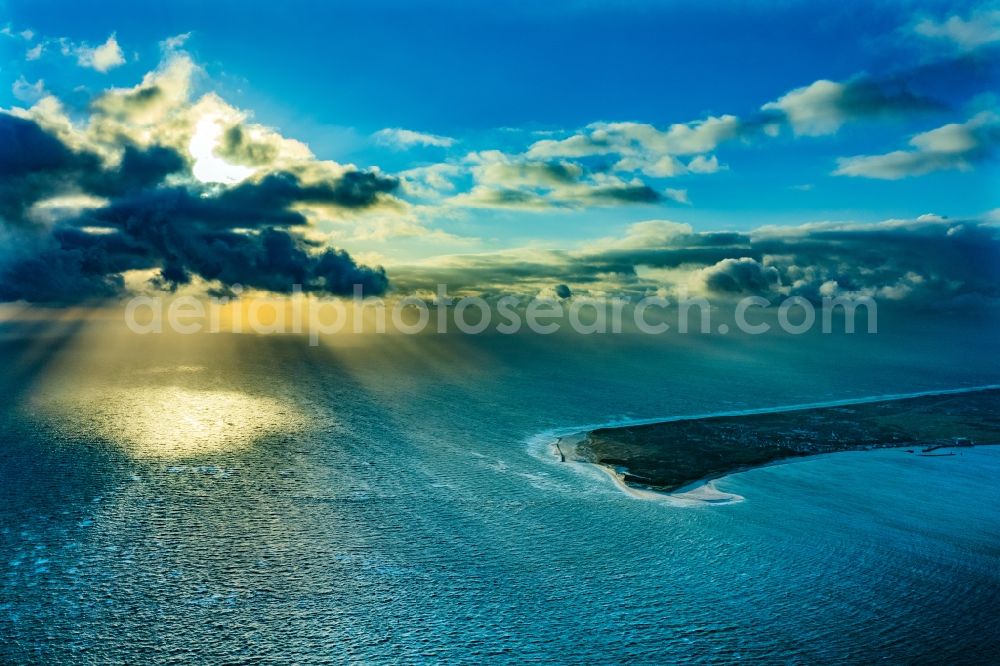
(924, 263)
(354, 189)
(271, 260)
(138, 170)
(34, 165)
(248, 206)
(933, 262)
(741, 276)
(44, 270)
(243, 235)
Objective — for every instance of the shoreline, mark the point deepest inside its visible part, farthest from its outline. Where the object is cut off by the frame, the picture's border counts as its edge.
(564, 442)
(797, 407)
(695, 493)
(704, 491)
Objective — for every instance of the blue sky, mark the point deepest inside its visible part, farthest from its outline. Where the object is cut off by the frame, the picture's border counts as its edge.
(492, 99)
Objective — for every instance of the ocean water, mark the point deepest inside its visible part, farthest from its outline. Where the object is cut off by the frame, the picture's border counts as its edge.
(238, 499)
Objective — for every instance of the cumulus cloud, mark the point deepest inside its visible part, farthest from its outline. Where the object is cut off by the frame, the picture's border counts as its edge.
(403, 139)
(649, 233)
(494, 168)
(678, 195)
(26, 35)
(824, 106)
(631, 149)
(981, 28)
(8, 31)
(639, 138)
(430, 182)
(101, 58)
(613, 163)
(28, 92)
(85, 204)
(607, 192)
(519, 181)
(952, 146)
(641, 147)
(739, 276)
(165, 90)
(175, 42)
(703, 164)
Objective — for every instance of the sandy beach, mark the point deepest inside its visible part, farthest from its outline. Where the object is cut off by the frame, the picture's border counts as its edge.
(694, 494)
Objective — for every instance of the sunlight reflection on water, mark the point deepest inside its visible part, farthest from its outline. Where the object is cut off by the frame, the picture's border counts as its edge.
(178, 422)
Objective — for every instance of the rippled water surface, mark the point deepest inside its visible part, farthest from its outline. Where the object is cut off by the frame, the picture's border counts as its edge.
(241, 498)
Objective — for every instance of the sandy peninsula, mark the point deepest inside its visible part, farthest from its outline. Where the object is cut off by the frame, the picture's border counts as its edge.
(680, 456)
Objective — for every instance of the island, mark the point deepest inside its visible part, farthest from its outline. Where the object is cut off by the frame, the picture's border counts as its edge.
(671, 454)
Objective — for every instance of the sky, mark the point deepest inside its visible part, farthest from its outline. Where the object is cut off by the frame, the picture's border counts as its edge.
(736, 147)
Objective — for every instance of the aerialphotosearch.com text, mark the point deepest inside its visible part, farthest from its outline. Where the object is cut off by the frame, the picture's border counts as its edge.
(318, 317)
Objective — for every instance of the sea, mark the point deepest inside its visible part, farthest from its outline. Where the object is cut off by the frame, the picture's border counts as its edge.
(395, 499)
